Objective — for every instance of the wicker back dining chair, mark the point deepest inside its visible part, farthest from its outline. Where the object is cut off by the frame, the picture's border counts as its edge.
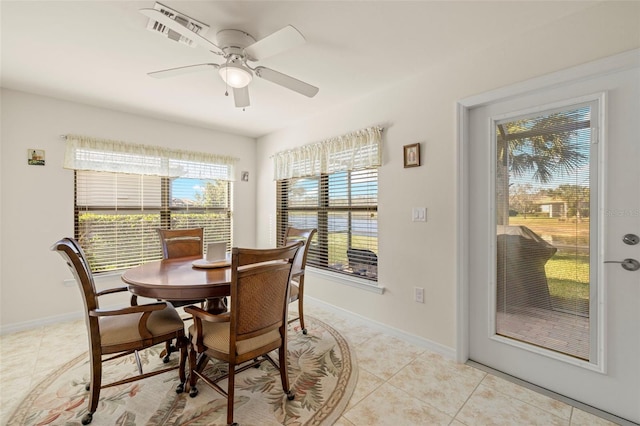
(177, 243)
(181, 242)
(255, 325)
(120, 332)
(299, 265)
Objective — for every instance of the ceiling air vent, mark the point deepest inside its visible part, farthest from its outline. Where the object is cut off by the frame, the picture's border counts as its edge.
(195, 26)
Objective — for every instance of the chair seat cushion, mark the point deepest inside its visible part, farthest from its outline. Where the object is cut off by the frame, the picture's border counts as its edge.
(294, 291)
(119, 329)
(216, 337)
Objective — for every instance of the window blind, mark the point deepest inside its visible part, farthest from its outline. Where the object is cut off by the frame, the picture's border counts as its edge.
(343, 207)
(333, 186)
(543, 229)
(117, 214)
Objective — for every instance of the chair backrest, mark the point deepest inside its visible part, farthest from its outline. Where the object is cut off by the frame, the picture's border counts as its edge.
(75, 258)
(260, 289)
(304, 235)
(73, 254)
(181, 242)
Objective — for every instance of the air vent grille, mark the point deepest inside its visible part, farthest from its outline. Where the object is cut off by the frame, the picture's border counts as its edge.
(195, 26)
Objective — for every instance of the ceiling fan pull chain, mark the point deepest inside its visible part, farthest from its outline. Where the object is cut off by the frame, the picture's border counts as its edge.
(226, 85)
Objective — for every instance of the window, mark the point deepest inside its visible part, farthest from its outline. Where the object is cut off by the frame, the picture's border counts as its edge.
(333, 187)
(117, 213)
(343, 207)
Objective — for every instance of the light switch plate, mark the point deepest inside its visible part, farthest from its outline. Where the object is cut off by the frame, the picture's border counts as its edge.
(419, 214)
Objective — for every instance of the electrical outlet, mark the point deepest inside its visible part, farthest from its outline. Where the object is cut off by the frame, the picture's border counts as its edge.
(419, 294)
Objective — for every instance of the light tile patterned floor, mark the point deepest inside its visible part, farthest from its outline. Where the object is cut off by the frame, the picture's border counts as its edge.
(398, 383)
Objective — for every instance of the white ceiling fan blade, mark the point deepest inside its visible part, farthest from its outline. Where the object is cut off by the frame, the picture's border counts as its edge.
(283, 39)
(179, 28)
(287, 81)
(172, 72)
(241, 96)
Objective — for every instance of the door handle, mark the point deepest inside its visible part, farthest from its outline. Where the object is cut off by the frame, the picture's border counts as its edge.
(628, 264)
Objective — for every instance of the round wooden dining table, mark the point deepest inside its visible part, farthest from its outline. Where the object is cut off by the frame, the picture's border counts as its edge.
(178, 279)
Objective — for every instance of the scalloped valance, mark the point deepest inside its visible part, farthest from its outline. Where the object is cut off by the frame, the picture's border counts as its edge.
(358, 150)
(86, 153)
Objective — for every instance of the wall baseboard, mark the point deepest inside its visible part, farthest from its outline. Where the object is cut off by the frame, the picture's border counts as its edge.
(392, 331)
(445, 351)
(40, 322)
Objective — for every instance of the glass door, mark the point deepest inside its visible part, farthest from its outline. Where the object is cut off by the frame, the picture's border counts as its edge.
(543, 229)
(553, 183)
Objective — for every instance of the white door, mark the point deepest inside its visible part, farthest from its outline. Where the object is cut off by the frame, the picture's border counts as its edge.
(543, 304)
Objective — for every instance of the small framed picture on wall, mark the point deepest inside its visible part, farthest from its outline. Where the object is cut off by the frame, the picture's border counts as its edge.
(35, 157)
(412, 155)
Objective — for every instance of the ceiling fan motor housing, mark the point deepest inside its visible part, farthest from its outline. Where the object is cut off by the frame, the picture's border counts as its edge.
(233, 42)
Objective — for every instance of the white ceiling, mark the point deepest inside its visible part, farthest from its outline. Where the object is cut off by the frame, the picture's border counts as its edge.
(98, 52)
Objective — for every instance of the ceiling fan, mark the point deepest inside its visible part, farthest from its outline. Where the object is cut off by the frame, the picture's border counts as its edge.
(239, 50)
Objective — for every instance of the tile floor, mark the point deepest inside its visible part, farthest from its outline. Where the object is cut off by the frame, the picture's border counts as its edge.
(398, 383)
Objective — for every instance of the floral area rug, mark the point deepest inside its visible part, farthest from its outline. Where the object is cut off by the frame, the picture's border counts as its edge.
(322, 373)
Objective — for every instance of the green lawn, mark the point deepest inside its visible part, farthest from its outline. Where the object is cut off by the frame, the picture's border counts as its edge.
(568, 270)
(568, 280)
(339, 241)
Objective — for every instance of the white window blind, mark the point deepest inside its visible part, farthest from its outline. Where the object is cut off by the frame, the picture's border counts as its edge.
(543, 219)
(117, 214)
(339, 199)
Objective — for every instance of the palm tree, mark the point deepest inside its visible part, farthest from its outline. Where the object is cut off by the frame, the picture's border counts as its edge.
(541, 146)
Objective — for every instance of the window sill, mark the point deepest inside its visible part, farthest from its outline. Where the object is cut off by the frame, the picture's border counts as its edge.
(343, 279)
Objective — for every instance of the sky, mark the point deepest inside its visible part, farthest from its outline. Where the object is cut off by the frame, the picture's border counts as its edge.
(186, 188)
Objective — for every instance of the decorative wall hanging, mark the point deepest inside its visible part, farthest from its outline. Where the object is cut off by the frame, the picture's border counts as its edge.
(35, 157)
(412, 155)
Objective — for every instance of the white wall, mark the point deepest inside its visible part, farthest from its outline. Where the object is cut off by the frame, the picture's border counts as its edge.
(37, 202)
(422, 110)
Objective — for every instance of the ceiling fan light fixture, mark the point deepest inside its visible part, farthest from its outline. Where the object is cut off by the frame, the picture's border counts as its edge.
(236, 76)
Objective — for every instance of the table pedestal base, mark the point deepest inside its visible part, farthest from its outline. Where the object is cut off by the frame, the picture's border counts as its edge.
(216, 305)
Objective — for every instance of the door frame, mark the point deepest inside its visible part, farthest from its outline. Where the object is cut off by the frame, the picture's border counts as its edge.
(603, 66)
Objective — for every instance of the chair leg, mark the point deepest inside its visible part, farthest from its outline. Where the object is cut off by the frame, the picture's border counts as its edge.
(181, 368)
(168, 348)
(193, 366)
(301, 314)
(94, 388)
(230, 393)
(138, 362)
(284, 377)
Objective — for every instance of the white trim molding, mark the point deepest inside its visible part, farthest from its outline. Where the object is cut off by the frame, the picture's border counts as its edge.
(615, 63)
